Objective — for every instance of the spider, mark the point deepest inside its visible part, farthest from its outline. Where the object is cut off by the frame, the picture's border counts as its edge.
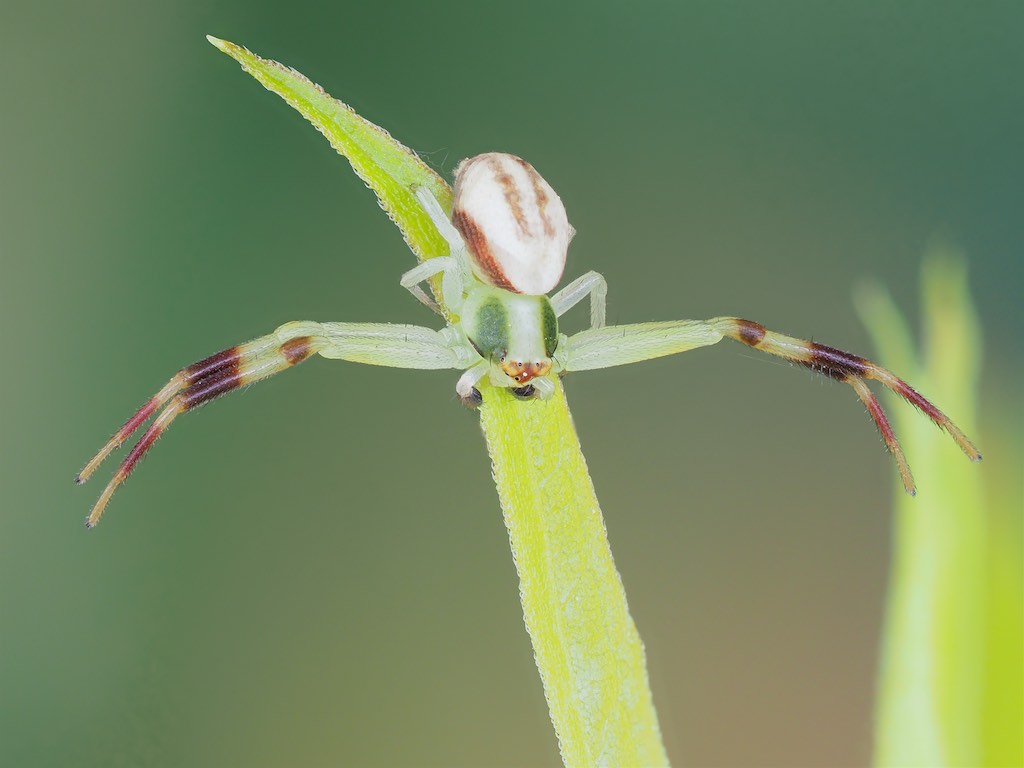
(508, 236)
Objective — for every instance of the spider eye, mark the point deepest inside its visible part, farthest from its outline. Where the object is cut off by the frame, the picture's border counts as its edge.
(518, 370)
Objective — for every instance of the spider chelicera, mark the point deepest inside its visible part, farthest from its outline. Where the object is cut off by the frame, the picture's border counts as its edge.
(508, 236)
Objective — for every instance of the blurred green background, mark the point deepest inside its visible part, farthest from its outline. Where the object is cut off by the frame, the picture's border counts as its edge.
(315, 572)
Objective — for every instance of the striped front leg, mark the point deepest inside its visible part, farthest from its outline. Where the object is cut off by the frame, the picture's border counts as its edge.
(200, 383)
(386, 344)
(853, 370)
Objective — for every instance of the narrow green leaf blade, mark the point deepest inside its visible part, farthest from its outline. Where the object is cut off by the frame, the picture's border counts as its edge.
(953, 611)
(588, 652)
(390, 169)
(586, 646)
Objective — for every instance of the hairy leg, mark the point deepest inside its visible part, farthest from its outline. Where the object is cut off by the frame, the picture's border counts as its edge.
(452, 282)
(592, 283)
(623, 344)
(851, 369)
(398, 346)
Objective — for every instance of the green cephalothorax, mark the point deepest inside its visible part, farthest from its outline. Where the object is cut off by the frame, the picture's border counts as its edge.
(516, 332)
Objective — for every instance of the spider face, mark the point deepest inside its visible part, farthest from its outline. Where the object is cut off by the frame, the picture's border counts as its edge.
(517, 333)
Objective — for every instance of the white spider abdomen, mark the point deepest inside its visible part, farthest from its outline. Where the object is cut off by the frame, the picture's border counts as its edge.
(512, 221)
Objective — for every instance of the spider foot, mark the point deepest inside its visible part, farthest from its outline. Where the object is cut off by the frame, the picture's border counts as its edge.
(473, 400)
(529, 392)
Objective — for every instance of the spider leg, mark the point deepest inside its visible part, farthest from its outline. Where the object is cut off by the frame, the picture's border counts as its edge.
(465, 387)
(437, 215)
(223, 367)
(882, 422)
(454, 267)
(397, 346)
(853, 370)
(623, 344)
(592, 283)
(846, 367)
(452, 282)
(198, 384)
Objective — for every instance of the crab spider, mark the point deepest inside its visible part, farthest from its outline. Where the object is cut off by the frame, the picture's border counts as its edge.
(508, 236)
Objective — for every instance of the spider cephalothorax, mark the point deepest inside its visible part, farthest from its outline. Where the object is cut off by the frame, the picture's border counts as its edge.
(508, 236)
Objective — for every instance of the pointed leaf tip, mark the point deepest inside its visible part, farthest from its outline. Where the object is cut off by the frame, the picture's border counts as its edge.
(388, 167)
(234, 50)
(217, 42)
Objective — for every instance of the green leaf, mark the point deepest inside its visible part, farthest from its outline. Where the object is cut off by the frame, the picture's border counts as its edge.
(951, 649)
(586, 646)
(587, 649)
(390, 169)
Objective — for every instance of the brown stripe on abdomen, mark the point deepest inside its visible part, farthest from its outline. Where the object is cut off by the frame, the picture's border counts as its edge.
(477, 244)
(511, 190)
(539, 194)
